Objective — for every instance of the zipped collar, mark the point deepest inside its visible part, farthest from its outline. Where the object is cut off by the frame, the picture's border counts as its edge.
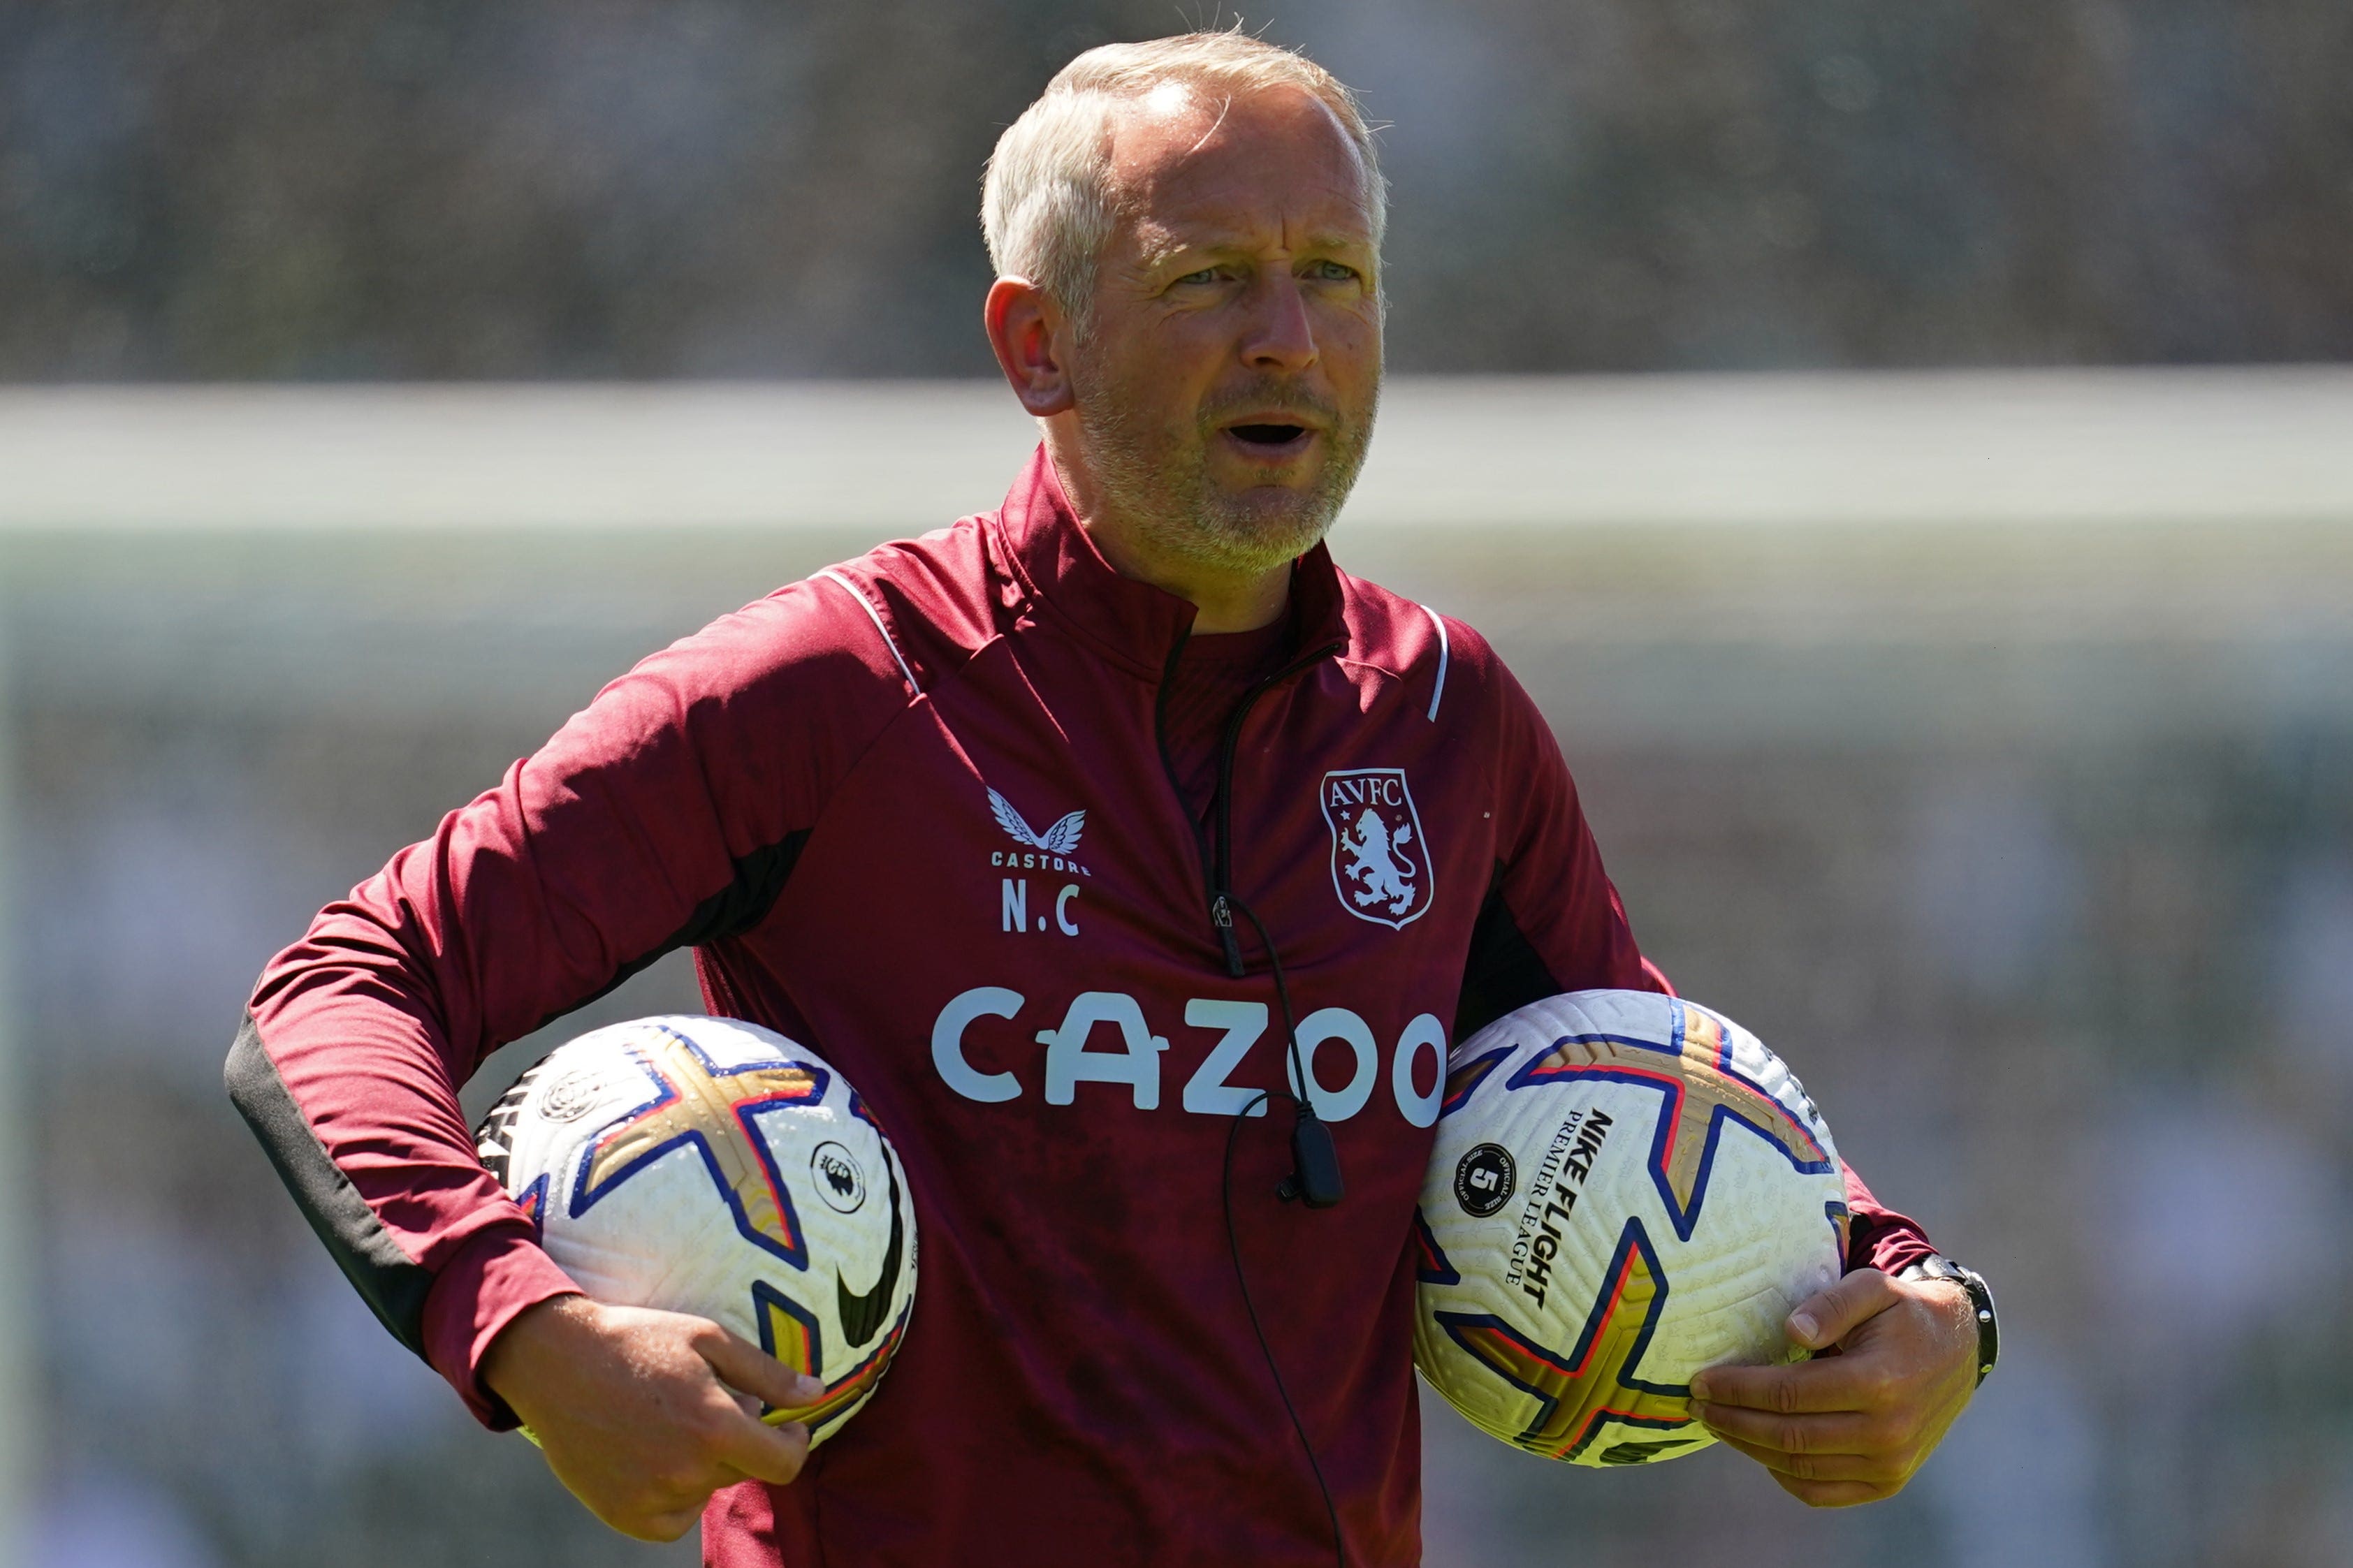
(1036, 535)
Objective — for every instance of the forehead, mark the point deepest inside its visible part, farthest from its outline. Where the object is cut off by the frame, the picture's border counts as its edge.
(1191, 163)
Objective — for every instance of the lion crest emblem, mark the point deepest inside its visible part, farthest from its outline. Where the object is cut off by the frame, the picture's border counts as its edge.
(1380, 863)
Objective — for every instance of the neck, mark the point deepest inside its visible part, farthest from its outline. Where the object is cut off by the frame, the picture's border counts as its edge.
(1223, 601)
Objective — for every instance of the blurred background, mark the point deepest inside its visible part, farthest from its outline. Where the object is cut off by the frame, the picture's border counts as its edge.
(1960, 677)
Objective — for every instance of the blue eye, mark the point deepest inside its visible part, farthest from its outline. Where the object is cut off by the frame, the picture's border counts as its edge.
(1206, 275)
(1332, 271)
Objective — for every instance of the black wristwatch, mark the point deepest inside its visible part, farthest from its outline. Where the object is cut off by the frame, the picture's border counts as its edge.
(1937, 1265)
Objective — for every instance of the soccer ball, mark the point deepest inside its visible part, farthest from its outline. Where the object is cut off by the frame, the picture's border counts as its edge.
(1626, 1188)
(710, 1166)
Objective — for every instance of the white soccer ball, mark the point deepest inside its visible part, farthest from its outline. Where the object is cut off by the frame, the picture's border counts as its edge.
(1626, 1188)
(712, 1166)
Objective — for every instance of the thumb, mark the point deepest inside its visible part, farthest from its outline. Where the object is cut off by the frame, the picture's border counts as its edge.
(1827, 1315)
(746, 1368)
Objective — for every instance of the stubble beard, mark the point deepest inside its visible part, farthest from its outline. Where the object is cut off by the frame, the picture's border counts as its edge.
(1158, 479)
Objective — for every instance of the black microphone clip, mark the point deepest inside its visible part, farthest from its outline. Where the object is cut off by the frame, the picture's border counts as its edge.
(1315, 1163)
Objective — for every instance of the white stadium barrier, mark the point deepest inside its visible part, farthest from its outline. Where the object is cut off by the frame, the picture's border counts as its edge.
(1963, 447)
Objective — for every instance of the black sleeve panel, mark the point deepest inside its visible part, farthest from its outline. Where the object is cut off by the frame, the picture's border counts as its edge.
(392, 1283)
(742, 904)
(1504, 969)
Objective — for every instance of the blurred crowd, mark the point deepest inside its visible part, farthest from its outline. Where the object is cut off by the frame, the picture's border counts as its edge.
(204, 189)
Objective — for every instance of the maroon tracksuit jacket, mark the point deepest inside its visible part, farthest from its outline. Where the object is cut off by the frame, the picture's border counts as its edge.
(853, 799)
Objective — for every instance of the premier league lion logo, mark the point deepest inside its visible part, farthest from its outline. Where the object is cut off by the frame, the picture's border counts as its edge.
(1380, 864)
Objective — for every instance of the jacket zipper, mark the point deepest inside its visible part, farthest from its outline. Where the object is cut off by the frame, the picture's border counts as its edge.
(1216, 870)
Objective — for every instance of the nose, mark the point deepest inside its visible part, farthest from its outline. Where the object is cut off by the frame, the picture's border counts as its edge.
(1279, 337)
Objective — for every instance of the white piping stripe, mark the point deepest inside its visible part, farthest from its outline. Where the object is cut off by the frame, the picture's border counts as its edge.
(1439, 690)
(866, 605)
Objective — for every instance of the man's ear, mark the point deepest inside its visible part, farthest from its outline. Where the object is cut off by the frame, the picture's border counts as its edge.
(1025, 328)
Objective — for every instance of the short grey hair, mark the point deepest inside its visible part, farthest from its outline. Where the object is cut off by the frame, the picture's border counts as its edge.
(1045, 203)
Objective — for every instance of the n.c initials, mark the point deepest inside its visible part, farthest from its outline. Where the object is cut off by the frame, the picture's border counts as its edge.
(1014, 907)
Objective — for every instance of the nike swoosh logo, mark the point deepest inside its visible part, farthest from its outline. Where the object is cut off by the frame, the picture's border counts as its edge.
(861, 1316)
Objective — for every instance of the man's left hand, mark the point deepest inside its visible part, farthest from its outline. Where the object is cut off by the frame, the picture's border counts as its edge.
(1853, 1425)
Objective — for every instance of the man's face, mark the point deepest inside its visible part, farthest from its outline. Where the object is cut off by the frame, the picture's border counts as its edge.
(1225, 388)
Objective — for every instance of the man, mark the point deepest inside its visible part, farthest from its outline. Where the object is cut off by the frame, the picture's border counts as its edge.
(828, 795)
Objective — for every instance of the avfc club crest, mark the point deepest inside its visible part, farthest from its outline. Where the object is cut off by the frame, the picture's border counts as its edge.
(1380, 862)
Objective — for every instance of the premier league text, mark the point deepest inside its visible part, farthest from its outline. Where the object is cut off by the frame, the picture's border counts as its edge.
(1567, 1163)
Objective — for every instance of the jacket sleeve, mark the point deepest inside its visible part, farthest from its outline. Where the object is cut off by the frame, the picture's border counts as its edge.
(667, 812)
(1552, 921)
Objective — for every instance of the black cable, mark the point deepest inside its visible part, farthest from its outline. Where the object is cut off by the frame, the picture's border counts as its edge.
(1222, 880)
(1315, 1163)
(1314, 1159)
(1282, 990)
(1234, 1250)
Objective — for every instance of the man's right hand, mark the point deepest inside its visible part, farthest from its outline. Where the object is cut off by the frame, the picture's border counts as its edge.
(644, 1415)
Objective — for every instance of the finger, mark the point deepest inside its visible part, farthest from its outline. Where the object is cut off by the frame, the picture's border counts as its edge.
(1833, 1494)
(1822, 1470)
(1827, 1315)
(1842, 1383)
(664, 1526)
(748, 1369)
(1870, 1469)
(664, 1518)
(762, 1452)
(1836, 1433)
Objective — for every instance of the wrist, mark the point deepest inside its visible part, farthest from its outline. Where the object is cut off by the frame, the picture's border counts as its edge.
(495, 1276)
(530, 1338)
(1975, 1303)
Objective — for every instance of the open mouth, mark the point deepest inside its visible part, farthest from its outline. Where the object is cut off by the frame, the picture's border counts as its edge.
(1270, 437)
